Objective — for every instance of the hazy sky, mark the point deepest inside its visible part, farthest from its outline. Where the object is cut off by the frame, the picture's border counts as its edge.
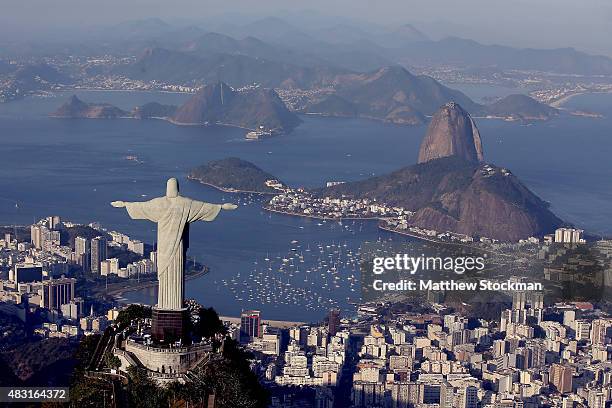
(585, 24)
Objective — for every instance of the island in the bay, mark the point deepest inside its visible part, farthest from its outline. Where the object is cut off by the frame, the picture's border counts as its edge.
(236, 175)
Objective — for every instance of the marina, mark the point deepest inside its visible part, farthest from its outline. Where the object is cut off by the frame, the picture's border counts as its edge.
(315, 276)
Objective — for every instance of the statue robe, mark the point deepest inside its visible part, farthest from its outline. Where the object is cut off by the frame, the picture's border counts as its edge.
(172, 215)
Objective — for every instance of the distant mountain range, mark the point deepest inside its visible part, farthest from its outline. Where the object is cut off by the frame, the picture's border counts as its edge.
(236, 70)
(407, 44)
(271, 51)
(331, 43)
(390, 93)
(468, 53)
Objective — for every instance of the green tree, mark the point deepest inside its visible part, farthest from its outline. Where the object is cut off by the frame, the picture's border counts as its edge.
(209, 324)
(85, 391)
(143, 392)
(233, 386)
(112, 361)
(130, 313)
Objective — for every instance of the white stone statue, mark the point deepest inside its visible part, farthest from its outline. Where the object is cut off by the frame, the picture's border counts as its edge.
(172, 213)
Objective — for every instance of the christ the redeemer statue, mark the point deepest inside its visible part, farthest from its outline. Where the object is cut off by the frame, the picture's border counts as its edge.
(173, 214)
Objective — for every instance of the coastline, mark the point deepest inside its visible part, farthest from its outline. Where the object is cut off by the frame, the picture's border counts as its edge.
(413, 235)
(319, 217)
(169, 120)
(127, 90)
(230, 190)
(564, 99)
(437, 241)
(424, 238)
(364, 117)
(174, 122)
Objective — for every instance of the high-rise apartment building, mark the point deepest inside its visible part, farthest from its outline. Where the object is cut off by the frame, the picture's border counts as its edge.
(36, 236)
(250, 325)
(469, 397)
(82, 252)
(333, 321)
(568, 235)
(57, 292)
(561, 377)
(98, 253)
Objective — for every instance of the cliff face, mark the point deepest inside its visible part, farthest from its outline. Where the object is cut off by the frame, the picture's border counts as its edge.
(452, 132)
(219, 103)
(76, 108)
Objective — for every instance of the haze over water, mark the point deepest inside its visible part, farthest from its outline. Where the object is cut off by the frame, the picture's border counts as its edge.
(74, 168)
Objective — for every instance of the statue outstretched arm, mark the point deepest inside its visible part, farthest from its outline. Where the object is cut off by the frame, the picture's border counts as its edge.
(201, 211)
(145, 210)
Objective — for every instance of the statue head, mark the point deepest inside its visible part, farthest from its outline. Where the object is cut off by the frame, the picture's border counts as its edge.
(172, 188)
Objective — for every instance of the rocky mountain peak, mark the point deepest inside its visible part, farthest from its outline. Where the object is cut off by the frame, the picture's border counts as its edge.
(452, 132)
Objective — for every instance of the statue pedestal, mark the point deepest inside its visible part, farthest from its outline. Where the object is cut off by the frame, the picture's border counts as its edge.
(163, 364)
(169, 325)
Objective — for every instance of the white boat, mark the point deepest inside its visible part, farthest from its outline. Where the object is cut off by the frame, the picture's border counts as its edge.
(257, 134)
